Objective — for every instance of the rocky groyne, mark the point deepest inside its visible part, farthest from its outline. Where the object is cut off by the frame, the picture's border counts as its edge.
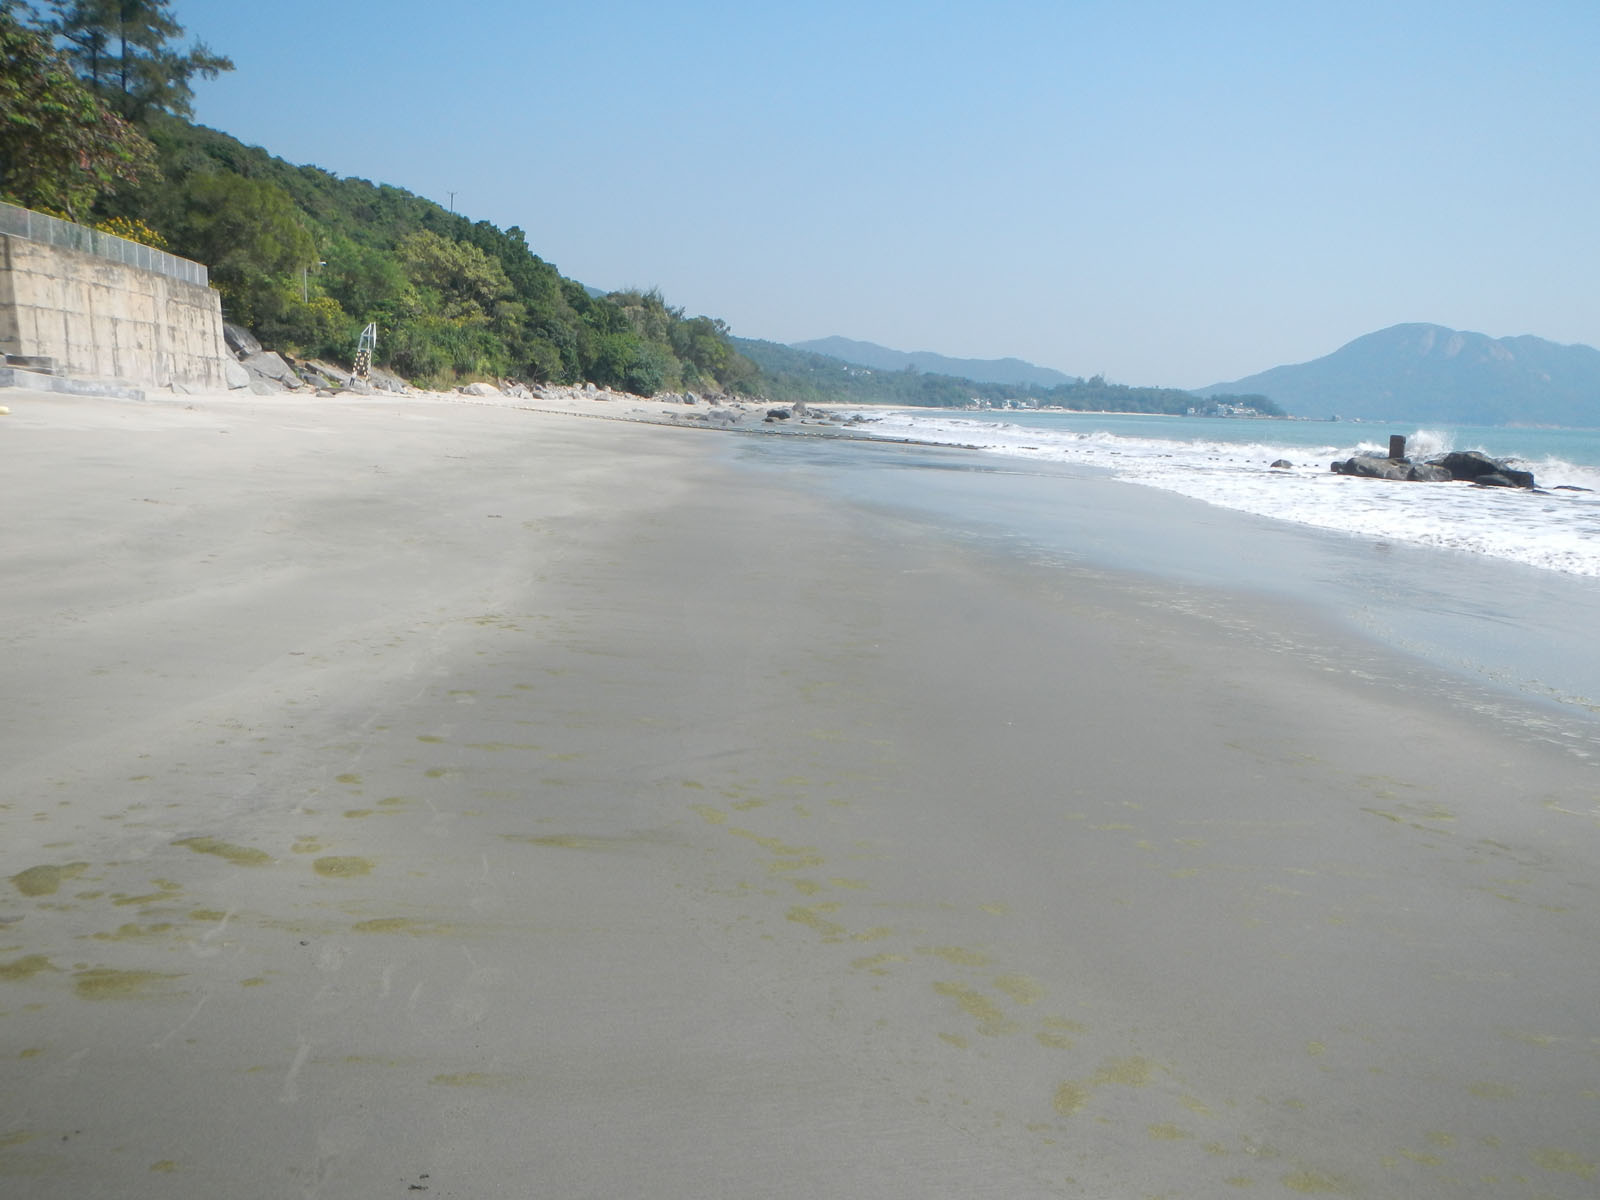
(1471, 466)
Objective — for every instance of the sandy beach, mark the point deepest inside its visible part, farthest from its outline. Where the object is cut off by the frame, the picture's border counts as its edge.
(410, 797)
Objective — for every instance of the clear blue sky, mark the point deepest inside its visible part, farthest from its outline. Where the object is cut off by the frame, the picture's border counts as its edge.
(1167, 193)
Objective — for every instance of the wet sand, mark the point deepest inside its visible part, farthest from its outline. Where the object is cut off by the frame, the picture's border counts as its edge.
(404, 795)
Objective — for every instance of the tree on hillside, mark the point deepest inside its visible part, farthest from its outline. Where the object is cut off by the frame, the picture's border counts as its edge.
(126, 50)
(60, 146)
(252, 236)
(702, 342)
(456, 279)
(368, 283)
(468, 310)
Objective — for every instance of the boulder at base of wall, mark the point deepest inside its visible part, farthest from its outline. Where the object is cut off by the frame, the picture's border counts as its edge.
(240, 340)
(270, 367)
(321, 375)
(387, 381)
(237, 377)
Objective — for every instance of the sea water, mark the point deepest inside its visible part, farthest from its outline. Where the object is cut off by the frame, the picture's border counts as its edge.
(1497, 589)
(1228, 462)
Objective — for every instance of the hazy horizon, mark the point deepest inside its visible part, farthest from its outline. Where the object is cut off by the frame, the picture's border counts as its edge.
(1158, 194)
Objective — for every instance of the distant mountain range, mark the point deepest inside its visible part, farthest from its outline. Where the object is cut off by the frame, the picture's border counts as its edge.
(1413, 372)
(1430, 373)
(985, 370)
(792, 375)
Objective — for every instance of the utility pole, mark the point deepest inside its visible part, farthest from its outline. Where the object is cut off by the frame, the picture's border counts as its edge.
(452, 204)
(305, 288)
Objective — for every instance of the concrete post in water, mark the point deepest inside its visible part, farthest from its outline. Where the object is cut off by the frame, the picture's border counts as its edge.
(1397, 445)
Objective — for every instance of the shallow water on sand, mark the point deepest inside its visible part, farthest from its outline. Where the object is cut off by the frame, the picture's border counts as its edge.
(1514, 633)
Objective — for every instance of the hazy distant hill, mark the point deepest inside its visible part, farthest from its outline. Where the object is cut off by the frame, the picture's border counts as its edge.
(984, 370)
(791, 374)
(1430, 373)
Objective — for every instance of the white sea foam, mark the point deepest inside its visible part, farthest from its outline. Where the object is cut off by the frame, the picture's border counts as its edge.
(1555, 530)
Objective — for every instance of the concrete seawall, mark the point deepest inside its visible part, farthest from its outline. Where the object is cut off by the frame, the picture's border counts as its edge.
(106, 320)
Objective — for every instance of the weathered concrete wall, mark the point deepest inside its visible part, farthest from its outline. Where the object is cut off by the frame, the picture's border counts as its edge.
(106, 320)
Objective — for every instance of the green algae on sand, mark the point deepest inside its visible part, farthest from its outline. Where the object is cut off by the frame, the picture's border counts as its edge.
(345, 867)
(400, 925)
(46, 878)
(133, 932)
(107, 983)
(26, 967)
(239, 856)
(1315, 1183)
(991, 1020)
(472, 1079)
(1070, 1098)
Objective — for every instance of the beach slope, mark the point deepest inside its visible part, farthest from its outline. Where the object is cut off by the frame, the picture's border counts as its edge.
(405, 796)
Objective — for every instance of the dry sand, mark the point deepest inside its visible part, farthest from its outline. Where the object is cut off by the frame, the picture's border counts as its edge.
(419, 796)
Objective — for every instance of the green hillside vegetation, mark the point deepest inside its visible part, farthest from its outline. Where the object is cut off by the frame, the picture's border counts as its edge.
(793, 375)
(305, 258)
(302, 257)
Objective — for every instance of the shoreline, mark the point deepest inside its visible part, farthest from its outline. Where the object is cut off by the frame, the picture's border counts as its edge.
(1412, 634)
(1425, 613)
(398, 795)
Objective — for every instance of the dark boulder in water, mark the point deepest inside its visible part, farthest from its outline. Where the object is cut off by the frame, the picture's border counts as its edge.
(1469, 465)
(1473, 464)
(1370, 466)
(1429, 472)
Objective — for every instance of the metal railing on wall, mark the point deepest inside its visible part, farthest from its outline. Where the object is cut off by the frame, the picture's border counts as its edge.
(51, 231)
